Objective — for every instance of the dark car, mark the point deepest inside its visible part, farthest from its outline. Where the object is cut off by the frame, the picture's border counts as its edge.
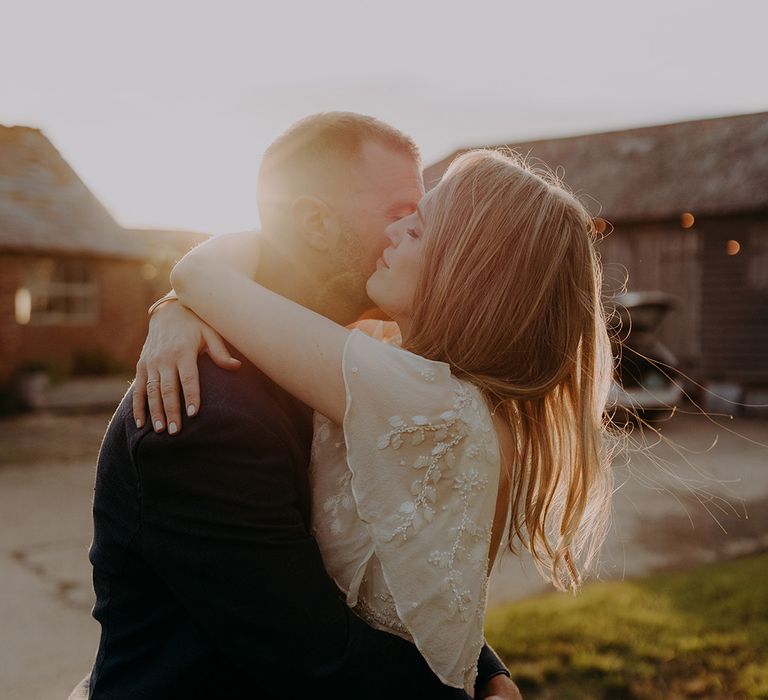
(646, 379)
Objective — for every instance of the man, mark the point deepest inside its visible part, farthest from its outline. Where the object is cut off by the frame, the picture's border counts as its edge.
(197, 531)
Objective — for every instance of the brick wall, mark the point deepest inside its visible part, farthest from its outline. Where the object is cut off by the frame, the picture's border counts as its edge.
(124, 295)
(9, 329)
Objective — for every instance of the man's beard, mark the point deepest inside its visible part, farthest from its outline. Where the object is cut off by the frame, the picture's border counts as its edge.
(344, 291)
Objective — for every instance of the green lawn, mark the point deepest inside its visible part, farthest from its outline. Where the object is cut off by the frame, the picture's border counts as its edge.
(701, 633)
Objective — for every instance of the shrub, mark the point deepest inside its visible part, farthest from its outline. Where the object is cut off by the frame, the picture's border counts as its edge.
(96, 361)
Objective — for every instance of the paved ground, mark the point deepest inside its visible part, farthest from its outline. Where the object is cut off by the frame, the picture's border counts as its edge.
(47, 638)
(696, 493)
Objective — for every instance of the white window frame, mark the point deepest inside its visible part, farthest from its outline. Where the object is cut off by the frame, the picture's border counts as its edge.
(85, 292)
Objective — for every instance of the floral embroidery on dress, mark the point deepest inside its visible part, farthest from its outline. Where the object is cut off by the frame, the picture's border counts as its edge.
(466, 484)
(384, 613)
(323, 431)
(341, 500)
(473, 451)
(445, 436)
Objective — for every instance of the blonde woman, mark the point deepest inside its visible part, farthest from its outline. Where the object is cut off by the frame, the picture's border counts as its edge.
(484, 425)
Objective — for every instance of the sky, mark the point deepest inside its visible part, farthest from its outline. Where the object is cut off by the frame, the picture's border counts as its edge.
(164, 107)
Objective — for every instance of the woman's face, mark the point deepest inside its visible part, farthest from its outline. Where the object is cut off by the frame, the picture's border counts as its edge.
(392, 287)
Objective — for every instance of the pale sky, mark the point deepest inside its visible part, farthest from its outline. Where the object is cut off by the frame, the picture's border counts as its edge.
(164, 107)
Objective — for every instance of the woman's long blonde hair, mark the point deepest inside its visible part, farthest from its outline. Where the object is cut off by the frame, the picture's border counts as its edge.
(510, 297)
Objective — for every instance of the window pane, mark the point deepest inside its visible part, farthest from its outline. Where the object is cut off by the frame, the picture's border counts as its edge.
(62, 291)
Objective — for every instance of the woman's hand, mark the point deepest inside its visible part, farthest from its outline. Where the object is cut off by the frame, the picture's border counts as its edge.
(169, 359)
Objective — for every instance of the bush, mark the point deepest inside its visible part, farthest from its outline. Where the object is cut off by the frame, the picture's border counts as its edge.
(56, 371)
(96, 361)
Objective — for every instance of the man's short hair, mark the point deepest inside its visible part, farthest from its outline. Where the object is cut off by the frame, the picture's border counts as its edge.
(304, 156)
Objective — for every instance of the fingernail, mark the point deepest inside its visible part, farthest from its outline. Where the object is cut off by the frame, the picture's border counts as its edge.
(139, 424)
(172, 427)
(158, 425)
(191, 409)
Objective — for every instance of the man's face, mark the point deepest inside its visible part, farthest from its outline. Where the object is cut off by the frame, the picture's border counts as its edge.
(383, 186)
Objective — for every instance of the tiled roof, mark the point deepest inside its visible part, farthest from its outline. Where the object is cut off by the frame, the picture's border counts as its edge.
(707, 167)
(44, 205)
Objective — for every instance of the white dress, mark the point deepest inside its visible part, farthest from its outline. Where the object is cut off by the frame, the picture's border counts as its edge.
(404, 495)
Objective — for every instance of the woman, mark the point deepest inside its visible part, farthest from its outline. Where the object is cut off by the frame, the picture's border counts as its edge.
(487, 421)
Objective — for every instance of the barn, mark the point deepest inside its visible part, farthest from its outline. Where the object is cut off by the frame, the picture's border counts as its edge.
(686, 207)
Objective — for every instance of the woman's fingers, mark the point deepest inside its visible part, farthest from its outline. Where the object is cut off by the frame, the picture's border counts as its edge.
(155, 401)
(162, 392)
(190, 386)
(170, 392)
(140, 395)
(217, 350)
(163, 387)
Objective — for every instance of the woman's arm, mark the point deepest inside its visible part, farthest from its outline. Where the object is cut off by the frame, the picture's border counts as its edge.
(298, 348)
(239, 251)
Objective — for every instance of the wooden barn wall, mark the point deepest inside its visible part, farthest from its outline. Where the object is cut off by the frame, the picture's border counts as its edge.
(660, 257)
(719, 331)
(735, 297)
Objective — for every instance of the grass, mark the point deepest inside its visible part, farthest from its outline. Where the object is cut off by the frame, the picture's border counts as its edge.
(700, 633)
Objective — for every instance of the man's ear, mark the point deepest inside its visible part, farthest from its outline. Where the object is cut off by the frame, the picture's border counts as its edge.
(316, 222)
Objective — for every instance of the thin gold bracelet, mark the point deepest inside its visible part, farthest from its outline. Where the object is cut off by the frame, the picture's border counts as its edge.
(171, 296)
